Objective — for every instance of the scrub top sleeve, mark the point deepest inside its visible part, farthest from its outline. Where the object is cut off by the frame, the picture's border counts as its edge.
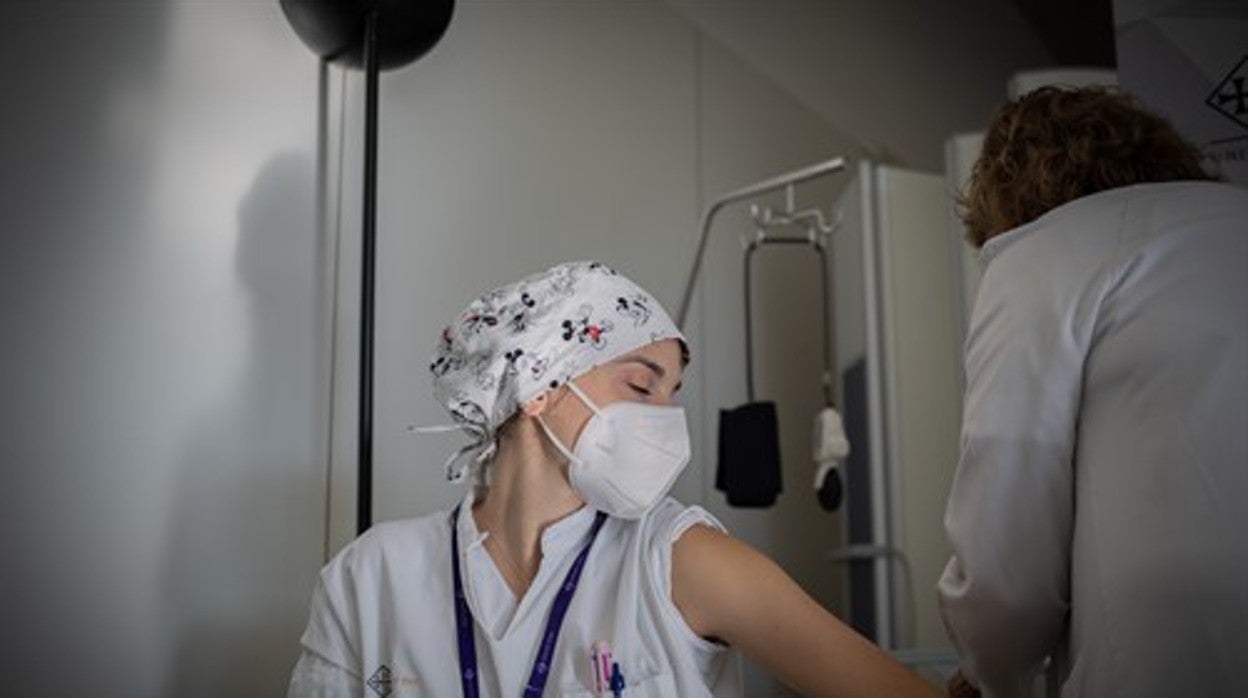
(670, 521)
(1005, 593)
(328, 664)
(315, 677)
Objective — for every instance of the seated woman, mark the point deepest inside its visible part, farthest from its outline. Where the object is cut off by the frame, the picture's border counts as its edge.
(566, 570)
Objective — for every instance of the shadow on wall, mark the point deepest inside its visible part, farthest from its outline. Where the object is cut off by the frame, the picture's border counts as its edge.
(249, 517)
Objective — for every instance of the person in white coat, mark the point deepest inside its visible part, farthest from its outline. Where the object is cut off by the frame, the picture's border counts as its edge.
(1098, 513)
(566, 570)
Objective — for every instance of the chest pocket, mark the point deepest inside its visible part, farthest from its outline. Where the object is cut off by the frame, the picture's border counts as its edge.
(653, 686)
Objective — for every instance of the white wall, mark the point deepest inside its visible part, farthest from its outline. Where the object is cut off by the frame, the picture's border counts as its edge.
(898, 76)
(162, 489)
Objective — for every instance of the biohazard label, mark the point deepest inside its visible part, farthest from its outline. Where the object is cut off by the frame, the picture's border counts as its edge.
(1230, 97)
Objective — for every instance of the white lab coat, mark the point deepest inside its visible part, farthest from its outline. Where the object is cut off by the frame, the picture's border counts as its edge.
(386, 601)
(1100, 509)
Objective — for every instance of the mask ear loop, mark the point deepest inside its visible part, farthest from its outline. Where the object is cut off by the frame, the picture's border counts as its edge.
(555, 440)
(584, 398)
(567, 452)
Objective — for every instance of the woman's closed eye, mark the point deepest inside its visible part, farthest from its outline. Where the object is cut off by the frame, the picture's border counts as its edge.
(640, 389)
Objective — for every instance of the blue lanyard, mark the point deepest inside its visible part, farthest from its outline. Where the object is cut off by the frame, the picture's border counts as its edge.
(464, 627)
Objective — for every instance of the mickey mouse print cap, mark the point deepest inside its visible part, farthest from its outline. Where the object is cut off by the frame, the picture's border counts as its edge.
(515, 342)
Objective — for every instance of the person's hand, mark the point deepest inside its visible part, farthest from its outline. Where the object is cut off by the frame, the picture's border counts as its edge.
(961, 687)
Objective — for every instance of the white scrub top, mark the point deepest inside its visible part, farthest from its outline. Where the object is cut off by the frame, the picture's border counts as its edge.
(383, 618)
(1100, 509)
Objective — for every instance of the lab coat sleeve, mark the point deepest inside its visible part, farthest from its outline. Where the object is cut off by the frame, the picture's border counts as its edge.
(1005, 593)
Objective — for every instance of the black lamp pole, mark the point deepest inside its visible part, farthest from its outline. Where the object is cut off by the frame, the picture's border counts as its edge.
(349, 33)
(368, 291)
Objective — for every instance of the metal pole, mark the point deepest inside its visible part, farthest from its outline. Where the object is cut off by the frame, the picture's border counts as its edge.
(364, 501)
(749, 327)
(750, 249)
(829, 369)
(778, 182)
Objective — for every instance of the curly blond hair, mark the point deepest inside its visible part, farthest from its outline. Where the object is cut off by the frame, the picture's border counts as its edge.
(1057, 144)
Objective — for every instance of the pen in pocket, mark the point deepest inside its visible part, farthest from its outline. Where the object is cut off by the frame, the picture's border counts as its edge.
(600, 657)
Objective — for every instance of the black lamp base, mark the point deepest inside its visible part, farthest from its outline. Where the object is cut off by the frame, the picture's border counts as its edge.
(334, 29)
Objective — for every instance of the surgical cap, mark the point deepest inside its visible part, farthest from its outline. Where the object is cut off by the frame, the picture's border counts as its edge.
(515, 342)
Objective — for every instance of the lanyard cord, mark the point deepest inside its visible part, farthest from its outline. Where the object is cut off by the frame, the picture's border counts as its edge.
(464, 626)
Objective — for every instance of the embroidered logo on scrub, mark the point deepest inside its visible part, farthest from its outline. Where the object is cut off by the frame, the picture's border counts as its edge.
(384, 681)
(381, 682)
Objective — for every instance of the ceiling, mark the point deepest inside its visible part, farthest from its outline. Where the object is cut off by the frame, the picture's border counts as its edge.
(1076, 32)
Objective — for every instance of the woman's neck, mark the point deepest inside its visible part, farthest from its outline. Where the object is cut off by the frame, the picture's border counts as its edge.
(528, 492)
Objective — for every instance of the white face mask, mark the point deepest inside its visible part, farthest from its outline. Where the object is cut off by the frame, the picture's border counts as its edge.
(627, 456)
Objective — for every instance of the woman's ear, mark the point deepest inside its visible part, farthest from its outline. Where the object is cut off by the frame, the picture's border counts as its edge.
(535, 406)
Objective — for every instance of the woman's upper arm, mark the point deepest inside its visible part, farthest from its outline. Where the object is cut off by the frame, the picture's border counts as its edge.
(728, 591)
